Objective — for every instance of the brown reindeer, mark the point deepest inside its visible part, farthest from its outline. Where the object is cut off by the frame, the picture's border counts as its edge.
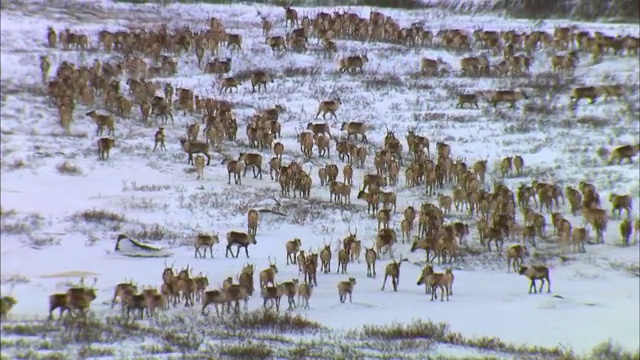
(393, 270)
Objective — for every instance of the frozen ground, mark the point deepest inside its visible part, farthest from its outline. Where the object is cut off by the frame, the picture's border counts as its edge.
(46, 228)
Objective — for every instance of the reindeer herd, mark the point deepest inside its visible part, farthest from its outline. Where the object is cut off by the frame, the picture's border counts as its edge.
(148, 53)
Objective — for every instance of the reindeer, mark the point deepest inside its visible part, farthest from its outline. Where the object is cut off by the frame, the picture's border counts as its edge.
(240, 240)
(346, 288)
(352, 63)
(289, 289)
(311, 268)
(159, 138)
(536, 272)
(216, 297)
(104, 147)
(272, 293)
(304, 294)
(268, 275)
(252, 221)
(393, 270)
(370, 257)
(121, 289)
(343, 260)
(206, 241)
(293, 247)
(325, 258)
(194, 147)
(76, 298)
(186, 286)
(291, 17)
(254, 161)
(329, 107)
(102, 121)
(260, 79)
(234, 167)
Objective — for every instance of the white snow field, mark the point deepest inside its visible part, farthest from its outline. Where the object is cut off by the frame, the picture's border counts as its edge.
(57, 195)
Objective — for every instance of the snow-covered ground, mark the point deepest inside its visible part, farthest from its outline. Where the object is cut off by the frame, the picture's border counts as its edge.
(159, 198)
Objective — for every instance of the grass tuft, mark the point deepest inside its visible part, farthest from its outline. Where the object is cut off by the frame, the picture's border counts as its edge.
(68, 168)
(97, 215)
(248, 350)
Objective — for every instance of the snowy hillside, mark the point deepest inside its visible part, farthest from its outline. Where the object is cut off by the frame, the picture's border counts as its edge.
(63, 208)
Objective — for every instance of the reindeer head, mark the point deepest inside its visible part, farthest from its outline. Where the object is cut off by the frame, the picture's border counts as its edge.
(272, 265)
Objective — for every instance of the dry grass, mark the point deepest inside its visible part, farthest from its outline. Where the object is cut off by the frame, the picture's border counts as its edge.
(185, 336)
(99, 216)
(68, 168)
(248, 350)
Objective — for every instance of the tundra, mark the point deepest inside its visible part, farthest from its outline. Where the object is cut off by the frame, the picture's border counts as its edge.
(329, 107)
(240, 240)
(205, 241)
(195, 147)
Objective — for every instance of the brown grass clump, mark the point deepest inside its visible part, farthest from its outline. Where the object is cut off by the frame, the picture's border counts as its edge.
(417, 329)
(593, 121)
(267, 320)
(97, 215)
(68, 168)
(248, 350)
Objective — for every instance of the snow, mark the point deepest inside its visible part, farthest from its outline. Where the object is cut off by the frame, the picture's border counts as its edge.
(599, 299)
